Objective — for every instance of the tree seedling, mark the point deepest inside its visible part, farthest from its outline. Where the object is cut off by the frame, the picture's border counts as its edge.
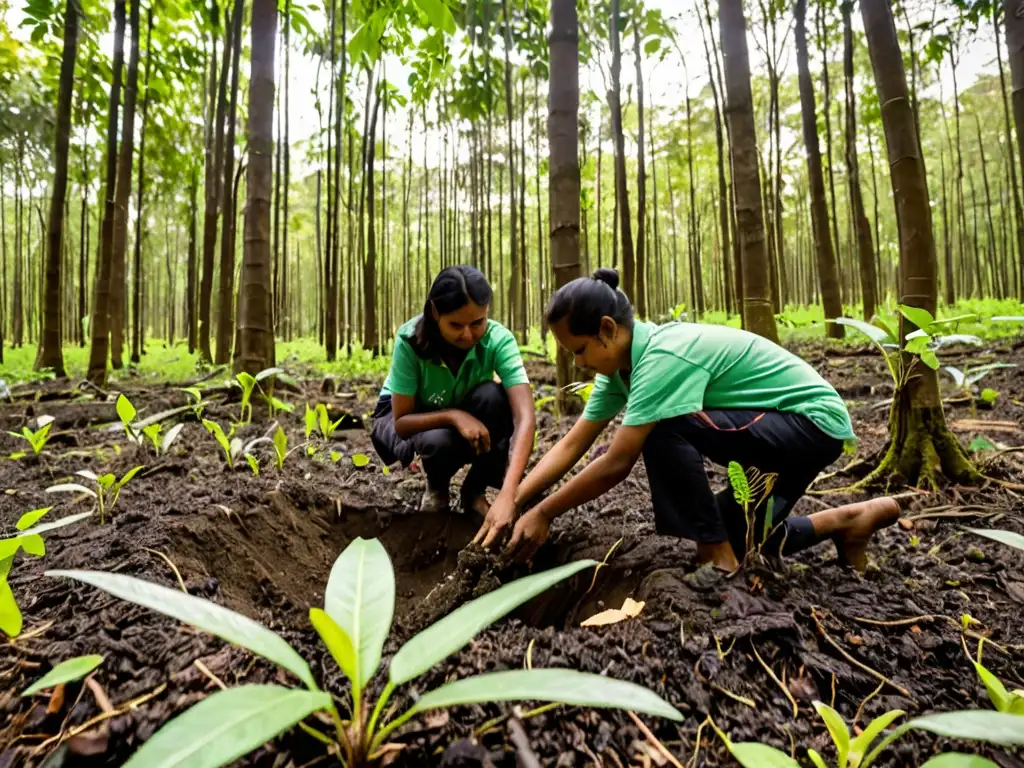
(196, 401)
(966, 380)
(318, 418)
(249, 384)
(29, 539)
(37, 438)
(108, 488)
(751, 489)
(354, 625)
(1007, 702)
(280, 441)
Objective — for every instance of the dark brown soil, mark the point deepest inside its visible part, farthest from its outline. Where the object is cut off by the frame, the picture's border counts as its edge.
(264, 546)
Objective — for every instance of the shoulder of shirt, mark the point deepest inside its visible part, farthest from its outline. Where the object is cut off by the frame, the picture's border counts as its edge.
(407, 330)
(496, 332)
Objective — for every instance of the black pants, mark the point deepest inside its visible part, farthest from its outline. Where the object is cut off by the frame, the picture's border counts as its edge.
(774, 442)
(444, 451)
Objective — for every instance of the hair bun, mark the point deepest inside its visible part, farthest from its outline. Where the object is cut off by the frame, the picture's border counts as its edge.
(607, 276)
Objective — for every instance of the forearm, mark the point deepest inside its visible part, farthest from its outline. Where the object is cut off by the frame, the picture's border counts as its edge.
(414, 423)
(599, 477)
(519, 453)
(549, 470)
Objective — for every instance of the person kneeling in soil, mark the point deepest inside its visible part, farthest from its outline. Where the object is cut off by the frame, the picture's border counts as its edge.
(440, 400)
(692, 391)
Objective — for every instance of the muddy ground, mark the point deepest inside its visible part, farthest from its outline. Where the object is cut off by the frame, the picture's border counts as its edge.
(264, 546)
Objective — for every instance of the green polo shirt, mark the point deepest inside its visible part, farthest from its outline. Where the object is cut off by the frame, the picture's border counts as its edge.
(432, 382)
(681, 368)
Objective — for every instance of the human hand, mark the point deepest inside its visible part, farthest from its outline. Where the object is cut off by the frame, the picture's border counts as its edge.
(530, 532)
(473, 430)
(500, 518)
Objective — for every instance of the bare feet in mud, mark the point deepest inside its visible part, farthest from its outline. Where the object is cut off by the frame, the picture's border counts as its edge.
(863, 520)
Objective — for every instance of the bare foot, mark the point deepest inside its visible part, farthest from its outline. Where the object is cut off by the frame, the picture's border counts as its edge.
(720, 554)
(852, 540)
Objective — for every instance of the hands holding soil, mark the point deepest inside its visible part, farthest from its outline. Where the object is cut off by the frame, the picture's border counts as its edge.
(529, 532)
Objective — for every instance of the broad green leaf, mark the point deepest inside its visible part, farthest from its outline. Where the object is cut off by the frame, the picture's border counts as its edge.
(128, 476)
(989, 395)
(981, 443)
(125, 410)
(837, 729)
(280, 405)
(247, 382)
(323, 420)
(360, 597)
(566, 686)
(458, 628)
(33, 545)
(337, 641)
(817, 759)
(71, 488)
(922, 318)
(917, 345)
(10, 613)
(52, 525)
(227, 725)
(929, 358)
(106, 481)
(754, 755)
(311, 419)
(738, 481)
(254, 463)
(31, 518)
(280, 442)
(862, 743)
(1003, 537)
(5, 566)
(974, 725)
(953, 320)
(438, 13)
(1001, 699)
(65, 672)
(360, 460)
(207, 616)
(959, 760)
(873, 332)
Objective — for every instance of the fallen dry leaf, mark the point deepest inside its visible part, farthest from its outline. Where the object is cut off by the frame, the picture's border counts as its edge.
(56, 703)
(629, 609)
(906, 525)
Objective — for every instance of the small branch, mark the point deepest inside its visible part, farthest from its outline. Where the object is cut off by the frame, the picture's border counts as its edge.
(662, 749)
(860, 665)
(773, 676)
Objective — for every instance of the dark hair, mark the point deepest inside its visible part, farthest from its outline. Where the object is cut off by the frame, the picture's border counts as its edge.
(453, 288)
(587, 299)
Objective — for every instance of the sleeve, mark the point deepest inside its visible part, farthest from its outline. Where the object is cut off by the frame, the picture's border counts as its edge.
(605, 400)
(662, 387)
(508, 363)
(404, 377)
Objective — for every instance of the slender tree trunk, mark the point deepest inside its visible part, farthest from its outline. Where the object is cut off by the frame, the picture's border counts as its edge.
(283, 314)
(137, 329)
(226, 294)
(3, 264)
(696, 268)
(947, 245)
(960, 168)
(920, 443)
(122, 194)
(255, 298)
(993, 262)
(757, 313)
(516, 298)
(190, 285)
(621, 190)
(83, 246)
(641, 181)
(1015, 54)
(50, 351)
(827, 109)
(100, 324)
(370, 340)
(17, 300)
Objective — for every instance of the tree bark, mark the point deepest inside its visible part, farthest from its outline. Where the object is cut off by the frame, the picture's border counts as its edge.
(621, 190)
(190, 280)
(563, 165)
(137, 328)
(757, 306)
(827, 110)
(1018, 211)
(641, 180)
(370, 267)
(920, 443)
(1015, 53)
(50, 353)
(255, 299)
(516, 299)
(100, 325)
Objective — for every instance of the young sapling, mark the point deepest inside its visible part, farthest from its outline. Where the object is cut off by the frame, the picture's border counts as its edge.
(37, 438)
(107, 492)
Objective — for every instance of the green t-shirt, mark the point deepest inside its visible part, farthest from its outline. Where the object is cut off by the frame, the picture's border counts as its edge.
(681, 368)
(432, 382)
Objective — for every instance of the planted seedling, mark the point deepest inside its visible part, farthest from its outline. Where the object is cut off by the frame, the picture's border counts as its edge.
(108, 488)
(196, 401)
(249, 384)
(254, 464)
(29, 538)
(354, 625)
(318, 418)
(280, 447)
(1008, 702)
(966, 380)
(36, 438)
(751, 489)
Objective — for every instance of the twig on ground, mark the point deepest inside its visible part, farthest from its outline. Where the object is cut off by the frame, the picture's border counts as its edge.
(774, 677)
(869, 697)
(177, 573)
(662, 749)
(860, 665)
(525, 756)
(102, 701)
(198, 664)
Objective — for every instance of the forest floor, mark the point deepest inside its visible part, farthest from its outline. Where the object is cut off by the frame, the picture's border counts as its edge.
(264, 545)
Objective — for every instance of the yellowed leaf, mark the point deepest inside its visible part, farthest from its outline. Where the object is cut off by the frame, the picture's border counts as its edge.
(629, 609)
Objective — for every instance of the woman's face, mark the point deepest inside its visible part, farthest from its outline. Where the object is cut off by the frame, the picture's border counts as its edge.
(464, 327)
(601, 353)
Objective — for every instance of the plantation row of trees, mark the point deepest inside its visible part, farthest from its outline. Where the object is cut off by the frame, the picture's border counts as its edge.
(122, 170)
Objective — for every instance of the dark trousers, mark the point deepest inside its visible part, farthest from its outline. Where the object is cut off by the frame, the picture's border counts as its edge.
(444, 451)
(774, 442)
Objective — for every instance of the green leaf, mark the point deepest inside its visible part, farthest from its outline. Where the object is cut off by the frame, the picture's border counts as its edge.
(976, 374)
(837, 729)
(360, 597)
(952, 321)
(981, 443)
(323, 420)
(754, 755)
(921, 318)
(207, 616)
(566, 686)
(974, 725)
(738, 481)
(126, 478)
(227, 725)
(33, 545)
(254, 463)
(1009, 538)
(873, 332)
(311, 419)
(458, 628)
(10, 613)
(247, 382)
(31, 518)
(916, 345)
(928, 358)
(997, 693)
(50, 526)
(360, 460)
(817, 759)
(337, 641)
(280, 445)
(65, 672)
(439, 14)
(989, 395)
(125, 410)
(862, 743)
(959, 760)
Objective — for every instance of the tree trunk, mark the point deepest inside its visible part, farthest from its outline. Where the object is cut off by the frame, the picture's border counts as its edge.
(100, 324)
(255, 298)
(283, 314)
(516, 299)
(122, 193)
(190, 280)
(50, 352)
(137, 330)
(1015, 54)
(3, 264)
(827, 110)
(641, 180)
(920, 443)
(828, 272)
(563, 166)
(214, 169)
(696, 269)
(83, 246)
(757, 306)
(370, 340)
(621, 190)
